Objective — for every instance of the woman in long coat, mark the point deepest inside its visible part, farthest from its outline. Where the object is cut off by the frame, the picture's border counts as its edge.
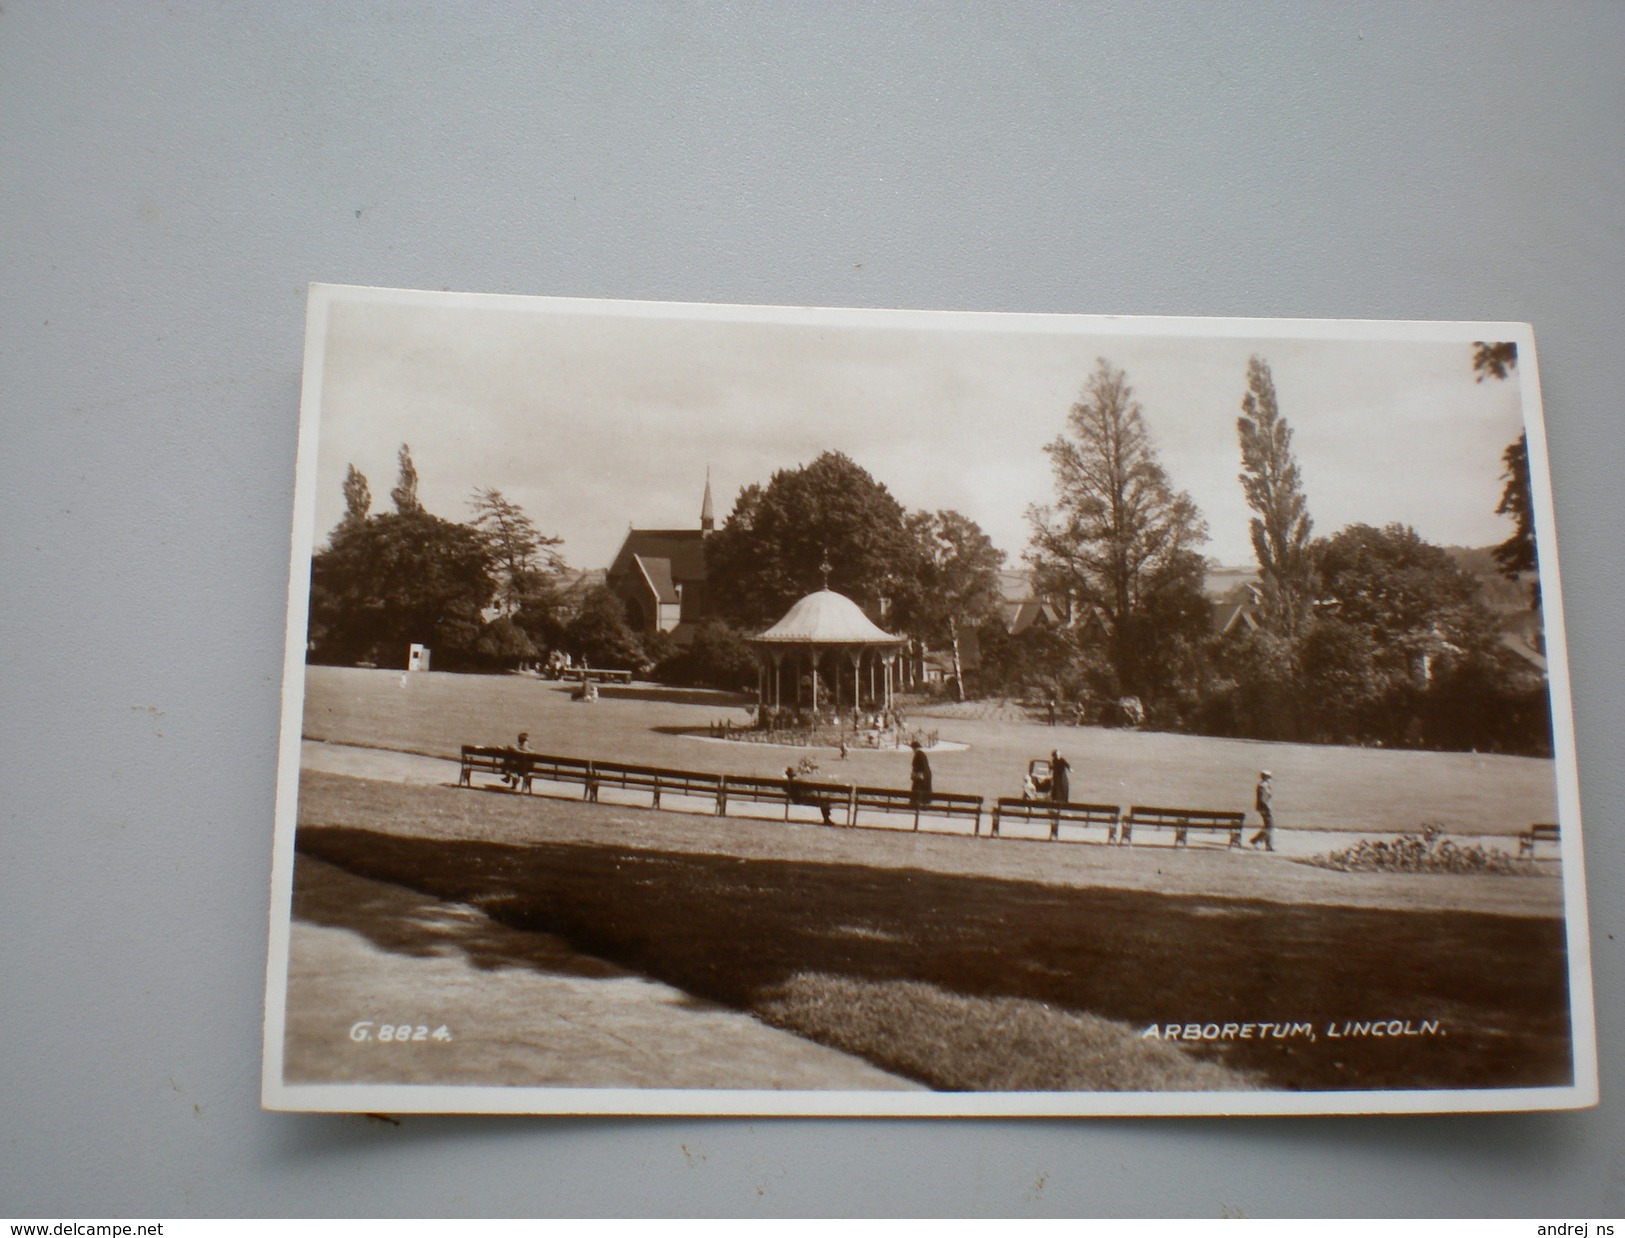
(919, 778)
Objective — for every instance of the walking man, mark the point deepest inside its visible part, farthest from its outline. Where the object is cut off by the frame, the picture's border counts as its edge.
(1261, 800)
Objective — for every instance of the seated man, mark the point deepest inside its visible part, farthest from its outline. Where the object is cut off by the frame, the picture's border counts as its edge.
(515, 771)
(801, 793)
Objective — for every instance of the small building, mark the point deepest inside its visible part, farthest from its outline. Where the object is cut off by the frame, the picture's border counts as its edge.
(1020, 606)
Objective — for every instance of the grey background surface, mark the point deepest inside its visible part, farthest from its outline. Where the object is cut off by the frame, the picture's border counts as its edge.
(172, 176)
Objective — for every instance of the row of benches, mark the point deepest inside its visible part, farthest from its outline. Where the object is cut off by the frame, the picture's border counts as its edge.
(519, 769)
(1119, 828)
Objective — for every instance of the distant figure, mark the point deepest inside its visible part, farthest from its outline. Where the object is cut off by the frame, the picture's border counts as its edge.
(919, 777)
(843, 748)
(1052, 711)
(1261, 798)
(800, 793)
(1060, 778)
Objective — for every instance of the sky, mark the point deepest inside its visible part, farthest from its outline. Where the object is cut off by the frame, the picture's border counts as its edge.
(597, 416)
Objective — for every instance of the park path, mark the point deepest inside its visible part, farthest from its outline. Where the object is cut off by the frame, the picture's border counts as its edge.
(1202, 869)
(386, 765)
(519, 1009)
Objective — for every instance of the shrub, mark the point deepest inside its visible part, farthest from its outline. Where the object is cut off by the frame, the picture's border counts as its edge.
(1427, 852)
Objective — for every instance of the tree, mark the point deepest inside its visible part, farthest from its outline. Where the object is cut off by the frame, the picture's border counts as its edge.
(1274, 490)
(1494, 360)
(959, 585)
(519, 550)
(1516, 556)
(772, 548)
(397, 579)
(599, 634)
(1114, 540)
(357, 497)
(716, 657)
(1398, 613)
(1040, 661)
(405, 493)
(528, 567)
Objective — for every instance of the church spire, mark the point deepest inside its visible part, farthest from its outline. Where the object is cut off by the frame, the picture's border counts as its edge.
(708, 517)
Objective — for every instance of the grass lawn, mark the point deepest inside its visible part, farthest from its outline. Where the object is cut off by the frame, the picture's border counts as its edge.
(962, 979)
(1317, 787)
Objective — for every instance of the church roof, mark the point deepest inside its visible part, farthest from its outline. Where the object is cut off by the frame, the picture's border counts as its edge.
(658, 573)
(826, 618)
(683, 549)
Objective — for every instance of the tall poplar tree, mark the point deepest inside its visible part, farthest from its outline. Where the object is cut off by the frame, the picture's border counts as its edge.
(1274, 489)
(405, 493)
(357, 498)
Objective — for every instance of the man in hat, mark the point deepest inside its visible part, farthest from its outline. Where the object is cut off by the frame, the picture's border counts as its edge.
(1261, 800)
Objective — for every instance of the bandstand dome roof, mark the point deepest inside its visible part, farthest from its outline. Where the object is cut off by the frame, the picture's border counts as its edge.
(826, 618)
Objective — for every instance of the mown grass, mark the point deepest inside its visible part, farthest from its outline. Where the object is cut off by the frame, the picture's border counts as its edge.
(1007, 1044)
(964, 981)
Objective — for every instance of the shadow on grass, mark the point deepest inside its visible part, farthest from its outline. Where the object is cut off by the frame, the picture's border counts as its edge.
(674, 696)
(405, 921)
(744, 931)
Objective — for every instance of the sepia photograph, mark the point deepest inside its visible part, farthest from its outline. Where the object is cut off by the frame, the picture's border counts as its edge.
(765, 710)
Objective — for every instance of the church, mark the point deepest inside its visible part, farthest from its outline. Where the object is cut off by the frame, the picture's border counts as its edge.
(659, 575)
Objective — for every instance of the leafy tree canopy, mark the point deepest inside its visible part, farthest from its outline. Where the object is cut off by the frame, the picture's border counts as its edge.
(599, 634)
(958, 587)
(1397, 586)
(398, 579)
(771, 550)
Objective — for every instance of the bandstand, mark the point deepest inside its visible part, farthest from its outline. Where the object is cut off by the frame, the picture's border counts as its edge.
(847, 662)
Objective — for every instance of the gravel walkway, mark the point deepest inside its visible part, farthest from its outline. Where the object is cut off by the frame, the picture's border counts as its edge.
(1206, 868)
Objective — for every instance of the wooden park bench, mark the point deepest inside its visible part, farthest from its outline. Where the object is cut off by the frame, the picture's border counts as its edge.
(653, 779)
(1182, 821)
(504, 762)
(581, 674)
(733, 788)
(900, 801)
(1057, 815)
(475, 760)
(1544, 833)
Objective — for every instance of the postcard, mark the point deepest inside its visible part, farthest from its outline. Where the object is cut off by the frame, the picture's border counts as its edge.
(713, 709)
